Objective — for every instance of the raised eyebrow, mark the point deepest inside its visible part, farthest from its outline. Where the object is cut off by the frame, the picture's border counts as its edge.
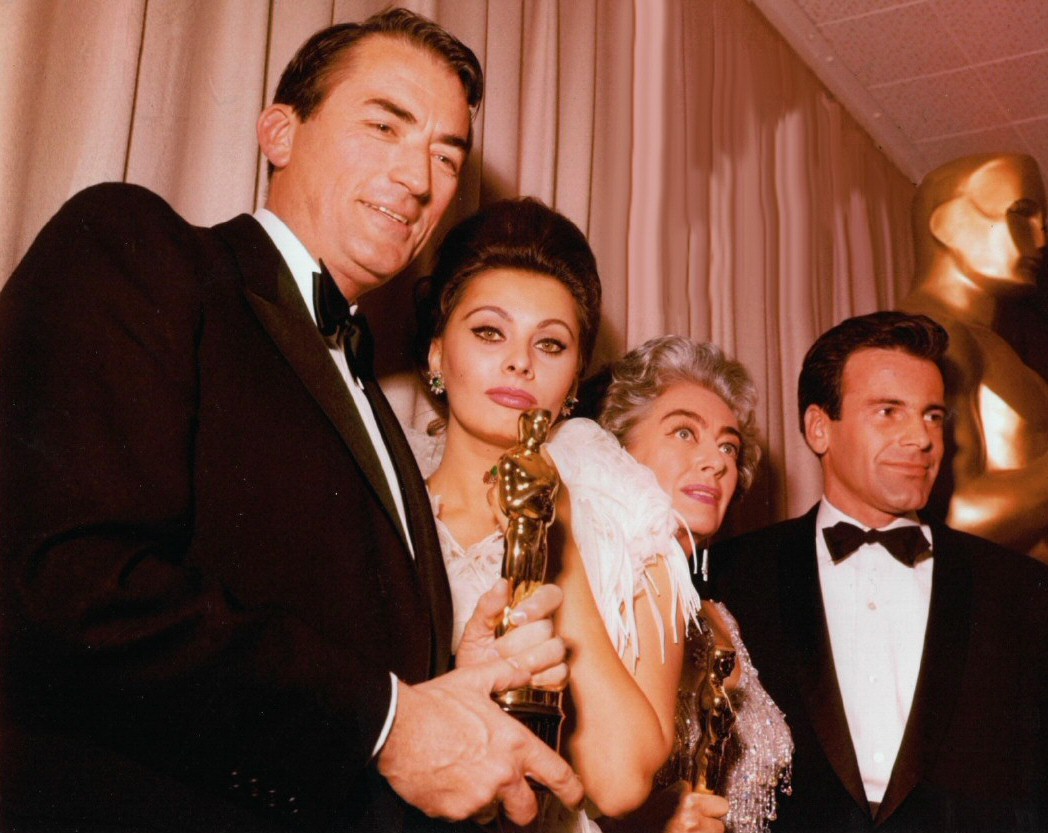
(684, 412)
(549, 322)
(499, 311)
(735, 432)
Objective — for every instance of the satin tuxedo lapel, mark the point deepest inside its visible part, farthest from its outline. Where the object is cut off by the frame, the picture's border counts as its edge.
(428, 557)
(942, 668)
(271, 292)
(805, 622)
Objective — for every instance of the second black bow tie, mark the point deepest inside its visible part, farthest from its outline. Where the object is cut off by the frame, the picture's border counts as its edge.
(905, 543)
(332, 313)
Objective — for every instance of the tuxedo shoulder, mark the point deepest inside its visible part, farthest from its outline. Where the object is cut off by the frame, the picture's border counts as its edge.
(114, 251)
(121, 206)
(126, 218)
(117, 193)
(991, 556)
(762, 543)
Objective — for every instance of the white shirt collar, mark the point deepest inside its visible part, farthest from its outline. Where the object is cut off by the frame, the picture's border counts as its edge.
(296, 255)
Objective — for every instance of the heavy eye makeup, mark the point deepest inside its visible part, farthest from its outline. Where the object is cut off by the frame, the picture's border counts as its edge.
(551, 345)
(547, 344)
(486, 332)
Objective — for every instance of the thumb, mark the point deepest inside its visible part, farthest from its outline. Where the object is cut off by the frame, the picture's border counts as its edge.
(478, 637)
(490, 606)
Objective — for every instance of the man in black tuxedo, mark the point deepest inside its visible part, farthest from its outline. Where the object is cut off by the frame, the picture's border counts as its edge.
(911, 662)
(224, 605)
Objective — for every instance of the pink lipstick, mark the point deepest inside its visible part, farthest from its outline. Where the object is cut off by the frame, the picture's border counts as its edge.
(515, 398)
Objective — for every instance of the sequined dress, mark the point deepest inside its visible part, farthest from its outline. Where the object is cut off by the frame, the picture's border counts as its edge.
(759, 750)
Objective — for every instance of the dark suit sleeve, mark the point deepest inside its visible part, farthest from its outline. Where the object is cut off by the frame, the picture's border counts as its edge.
(112, 630)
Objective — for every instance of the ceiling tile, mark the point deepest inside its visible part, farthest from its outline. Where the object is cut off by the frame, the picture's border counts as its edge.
(995, 140)
(988, 31)
(954, 102)
(930, 78)
(1020, 85)
(889, 46)
(825, 11)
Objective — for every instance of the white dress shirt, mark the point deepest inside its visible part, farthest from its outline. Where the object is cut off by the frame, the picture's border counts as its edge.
(302, 266)
(877, 614)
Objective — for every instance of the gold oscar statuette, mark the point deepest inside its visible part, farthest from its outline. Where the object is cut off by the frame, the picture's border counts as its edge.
(716, 717)
(527, 482)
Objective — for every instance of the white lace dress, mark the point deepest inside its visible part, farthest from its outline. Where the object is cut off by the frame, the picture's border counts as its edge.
(622, 522)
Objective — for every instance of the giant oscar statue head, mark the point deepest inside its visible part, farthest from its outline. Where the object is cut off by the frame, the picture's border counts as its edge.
(979, 234)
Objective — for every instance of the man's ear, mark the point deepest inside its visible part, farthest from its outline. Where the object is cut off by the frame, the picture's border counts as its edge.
(817, 429)
(276, 133)
(436, 351)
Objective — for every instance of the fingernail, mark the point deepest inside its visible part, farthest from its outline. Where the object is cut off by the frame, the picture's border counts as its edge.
(517, 617)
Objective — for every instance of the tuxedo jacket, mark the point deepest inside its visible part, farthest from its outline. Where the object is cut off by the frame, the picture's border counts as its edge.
(974, 755)
(204, 591)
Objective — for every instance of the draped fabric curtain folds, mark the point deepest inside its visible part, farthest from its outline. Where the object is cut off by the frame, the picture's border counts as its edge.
(726, 194)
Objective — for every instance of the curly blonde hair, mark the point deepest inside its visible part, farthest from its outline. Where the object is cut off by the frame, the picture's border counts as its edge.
(644, 374)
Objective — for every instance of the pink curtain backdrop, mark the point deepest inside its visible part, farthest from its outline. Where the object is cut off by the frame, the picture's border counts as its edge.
(726, 194)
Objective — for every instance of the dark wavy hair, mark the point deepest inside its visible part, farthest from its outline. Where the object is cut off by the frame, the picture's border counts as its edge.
(823, 368)
(510, 234)
(313, 70)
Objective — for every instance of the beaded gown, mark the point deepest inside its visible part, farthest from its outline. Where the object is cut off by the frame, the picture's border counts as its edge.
(759, 749)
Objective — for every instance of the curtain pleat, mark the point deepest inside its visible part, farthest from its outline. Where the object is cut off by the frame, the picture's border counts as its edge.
(727, 196)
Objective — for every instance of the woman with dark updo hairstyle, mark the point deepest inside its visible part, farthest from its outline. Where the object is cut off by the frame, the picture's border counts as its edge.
(507, 323)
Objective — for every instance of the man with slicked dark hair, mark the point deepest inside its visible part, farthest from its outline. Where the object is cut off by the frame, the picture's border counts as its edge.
(908, 658)
(224, 605)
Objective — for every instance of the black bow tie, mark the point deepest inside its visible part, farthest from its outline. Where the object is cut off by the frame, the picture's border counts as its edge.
(329, 304)
(332, 312)
(905, 543)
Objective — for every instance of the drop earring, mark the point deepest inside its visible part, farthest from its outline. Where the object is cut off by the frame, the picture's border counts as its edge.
(569, 405)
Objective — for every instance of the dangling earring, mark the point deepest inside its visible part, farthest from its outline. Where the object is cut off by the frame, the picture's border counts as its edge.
(569, 405)
(436, 383)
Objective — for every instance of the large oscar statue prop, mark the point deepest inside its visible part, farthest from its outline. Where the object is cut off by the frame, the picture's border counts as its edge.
(527, 492)
(978, 225)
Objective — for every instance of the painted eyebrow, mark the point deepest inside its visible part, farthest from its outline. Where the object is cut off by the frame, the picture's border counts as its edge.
(408, 117)
(501, 313)
(684, 412)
